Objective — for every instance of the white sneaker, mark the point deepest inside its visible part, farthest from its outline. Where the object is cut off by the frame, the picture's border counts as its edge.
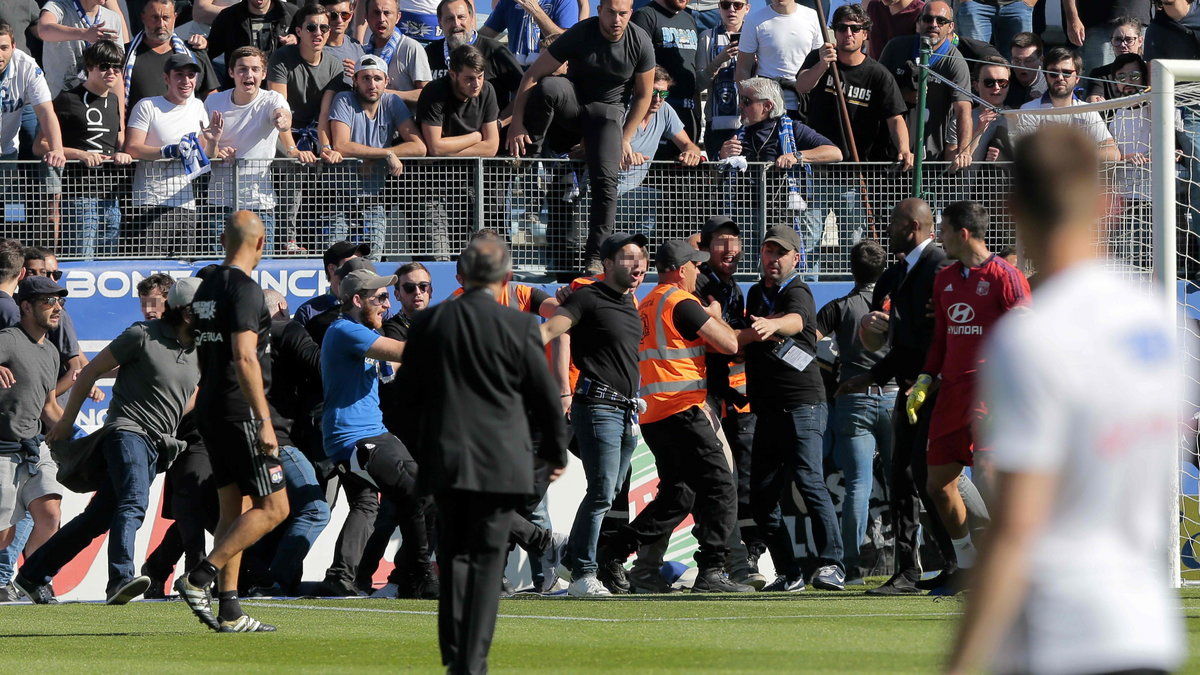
(390, 591)
(587, 587)
(553, 586)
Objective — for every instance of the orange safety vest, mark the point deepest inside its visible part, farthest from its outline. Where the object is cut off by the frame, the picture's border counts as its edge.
(737, 381)
(672, 368)
(517, 296)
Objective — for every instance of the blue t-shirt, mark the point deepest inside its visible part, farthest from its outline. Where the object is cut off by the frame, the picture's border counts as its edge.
(523, 31)
(663, 126)
(376, 133)
(351, 382)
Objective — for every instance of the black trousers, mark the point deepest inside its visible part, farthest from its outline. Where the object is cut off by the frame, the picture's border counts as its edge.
(556, 121)
(907, 490)
(192, 497)
(363, 500)
(472, 549)
(739, 431)
(692, 475)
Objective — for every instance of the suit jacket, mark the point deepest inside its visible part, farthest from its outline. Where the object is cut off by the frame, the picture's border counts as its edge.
(483, 381)
(910, 331)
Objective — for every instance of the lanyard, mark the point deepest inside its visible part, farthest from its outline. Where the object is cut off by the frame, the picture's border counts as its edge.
(782, 287)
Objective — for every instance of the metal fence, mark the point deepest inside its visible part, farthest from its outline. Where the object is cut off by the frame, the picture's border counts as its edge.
(151, 210)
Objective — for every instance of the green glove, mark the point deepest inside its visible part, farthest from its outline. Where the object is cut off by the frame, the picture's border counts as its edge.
(916, 397)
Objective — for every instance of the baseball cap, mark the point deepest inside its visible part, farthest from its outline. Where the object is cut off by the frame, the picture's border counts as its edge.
(618, 241)
(784, 236)
(176, 61)
(363, 280)
(671, 255)
(341, 250)
(33, 286)
(715, 223)
(355, 264)
(183, 291)
(370, 62)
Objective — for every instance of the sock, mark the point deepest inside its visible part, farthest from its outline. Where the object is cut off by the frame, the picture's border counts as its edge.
(203, 574)
(965, 550)
(231, 609)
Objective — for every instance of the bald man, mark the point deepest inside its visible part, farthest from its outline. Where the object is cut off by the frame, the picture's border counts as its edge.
(233, 417)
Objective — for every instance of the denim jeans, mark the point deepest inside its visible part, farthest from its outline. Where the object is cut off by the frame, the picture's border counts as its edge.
(118, 507)
(308, 518)
(98, 222)
(980, 21)
(606, 447)
(861, 425)
(10, 555)
(369, 227)
(1097, 49)
(787, 449)
(212, 237)
(1191, 164)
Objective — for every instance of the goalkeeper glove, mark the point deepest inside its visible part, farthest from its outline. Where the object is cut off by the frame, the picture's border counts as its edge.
(916, 397)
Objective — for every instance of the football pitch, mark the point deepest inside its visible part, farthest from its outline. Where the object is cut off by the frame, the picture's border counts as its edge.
(808, 632)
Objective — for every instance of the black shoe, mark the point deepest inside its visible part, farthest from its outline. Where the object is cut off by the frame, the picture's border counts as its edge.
(612, 574)
(40, 594)
(952, 584)
(901, 583)
(506, 588)
(715, 580)
(427, 587)
(128, 590)
(339, 588)
(937, 581)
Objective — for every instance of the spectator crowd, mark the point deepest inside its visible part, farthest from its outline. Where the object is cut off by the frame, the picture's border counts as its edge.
(348, 91)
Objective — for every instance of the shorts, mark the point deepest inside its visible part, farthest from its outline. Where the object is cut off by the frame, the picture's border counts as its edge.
(956, 446)
(19, 487)
(957, 405)
(233, 450)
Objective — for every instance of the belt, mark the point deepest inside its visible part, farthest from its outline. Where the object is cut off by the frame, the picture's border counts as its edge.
(874, 389)
(602, 392)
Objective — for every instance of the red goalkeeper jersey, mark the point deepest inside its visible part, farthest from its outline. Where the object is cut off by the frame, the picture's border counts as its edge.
(965, 308)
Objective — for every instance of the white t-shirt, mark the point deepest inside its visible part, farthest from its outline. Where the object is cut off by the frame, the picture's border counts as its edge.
(251, 130)
(1090, 122)
(165, 183)
(22, 83)
(781, 41)
(1092, 397)
(64, 60)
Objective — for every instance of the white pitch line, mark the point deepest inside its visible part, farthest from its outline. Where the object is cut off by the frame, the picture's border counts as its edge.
(423, 613)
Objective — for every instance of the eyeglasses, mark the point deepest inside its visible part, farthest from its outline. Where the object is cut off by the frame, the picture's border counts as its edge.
(105, 67)
(343, 16)
(55, 275)
(732, 5)
(1135, 76)
(939, 20)
(314, 27)
(661, 93)
(411, 288)
(746, 100)
(53, 300)
(379, 298)
(1124, 39)
(1064, 74)
(993, 82)
(854, 28)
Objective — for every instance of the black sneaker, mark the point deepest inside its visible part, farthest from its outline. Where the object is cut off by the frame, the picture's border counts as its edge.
(127, 590)
(715, 580)
(427, 587)
(612, 574)
(339, 588)
(785, 584)
(901, 583)
(40, 594)
(199, 600)
(937, 581)
(245, 624)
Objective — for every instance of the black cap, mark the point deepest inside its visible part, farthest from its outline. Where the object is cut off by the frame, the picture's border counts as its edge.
(671, 255)
(715, 223)
(176, 61)
(355, 264)
(33, 286)
(340, 250)
(785, 236)
(618, 241)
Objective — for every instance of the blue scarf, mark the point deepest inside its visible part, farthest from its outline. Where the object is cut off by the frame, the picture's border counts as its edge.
(388, 51)
(87, 22)
(131, 55)
(938, 53)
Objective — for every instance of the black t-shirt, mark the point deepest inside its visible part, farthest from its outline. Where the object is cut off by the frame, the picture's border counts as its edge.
(438, 106)
(147, 79)
(500, 67)
(92, 123)
(675, 42)
(689, 317)
(1094, 13)
(228, 302)
(319, 324)
(872, 96)
(604, 341)
(602, 70)
(772, 384)
(733, 312)
(394, 396)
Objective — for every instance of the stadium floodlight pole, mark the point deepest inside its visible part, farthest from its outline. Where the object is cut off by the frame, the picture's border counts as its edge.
(922, 87)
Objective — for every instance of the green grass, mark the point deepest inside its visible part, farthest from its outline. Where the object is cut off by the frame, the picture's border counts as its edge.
(809, 632)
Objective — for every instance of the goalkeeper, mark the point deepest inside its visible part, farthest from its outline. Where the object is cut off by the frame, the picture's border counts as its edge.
(969, 296)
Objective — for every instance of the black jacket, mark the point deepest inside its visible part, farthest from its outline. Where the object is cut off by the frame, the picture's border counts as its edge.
(911, 330)
(485, 381)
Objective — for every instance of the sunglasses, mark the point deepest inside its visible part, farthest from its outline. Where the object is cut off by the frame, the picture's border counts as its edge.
(939, 20)
(105, 67)
(53, 300)
(852, 27)
(732, 5)
(378, 298)
(1124, 40)
(661, 93)
(745, 101)
(314, 27)
(1064, 74)
(410, 287)
(993, 82)
(1129, 77)
(344, 16)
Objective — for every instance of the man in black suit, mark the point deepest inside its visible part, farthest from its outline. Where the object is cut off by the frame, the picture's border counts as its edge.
(484, 368)
(900, 319)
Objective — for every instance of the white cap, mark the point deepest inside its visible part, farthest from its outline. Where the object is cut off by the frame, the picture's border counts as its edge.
(183, 291)
(370, 62)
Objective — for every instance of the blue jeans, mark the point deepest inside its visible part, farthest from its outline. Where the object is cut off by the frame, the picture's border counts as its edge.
(118, 507)
(10, 555)
(980, 21)
(606, 447)
(221, 214)
(787, 448)
(1191, 164)
(861, 424)
(1097, 49)
(99, 225)
(308, 518)
(706, 18)
(371, 223)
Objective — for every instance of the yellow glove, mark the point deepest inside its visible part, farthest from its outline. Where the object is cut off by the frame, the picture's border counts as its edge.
(916, 397)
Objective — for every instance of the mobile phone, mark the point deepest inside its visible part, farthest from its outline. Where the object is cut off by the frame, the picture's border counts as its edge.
(734, 38)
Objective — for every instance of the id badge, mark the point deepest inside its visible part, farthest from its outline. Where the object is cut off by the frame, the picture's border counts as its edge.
(790, 353)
